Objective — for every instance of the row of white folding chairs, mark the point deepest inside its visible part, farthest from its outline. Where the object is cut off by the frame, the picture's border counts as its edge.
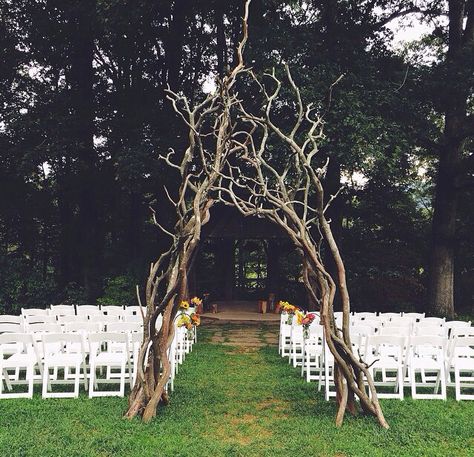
(36, 323)
(85, 310)
(40, 359)
(406, 355)
(309, 352)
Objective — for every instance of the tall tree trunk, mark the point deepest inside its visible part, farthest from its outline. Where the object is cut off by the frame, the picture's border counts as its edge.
(441, 285)
(82, 100)
(457, 129)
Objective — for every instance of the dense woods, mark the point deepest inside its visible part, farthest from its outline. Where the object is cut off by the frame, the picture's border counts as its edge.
(85, 117)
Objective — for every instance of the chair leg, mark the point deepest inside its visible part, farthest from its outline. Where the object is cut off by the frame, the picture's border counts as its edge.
(77, 379)
(457, 383)
(412, 382)
(91, 380)
(46, 383)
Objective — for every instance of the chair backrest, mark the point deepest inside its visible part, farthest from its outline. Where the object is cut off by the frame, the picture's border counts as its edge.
(464, 342)
(85, 327)
(389, 316)
(402, 321)
(62, 310)
(432, 345)
(11, 328)
(54, 343)
(20, 342)
(457, 324)
(10, 319)
(71, 318)
(108, 342)
(415, 316)
(365, 315)
(124, 327)
(133, 318)
(375, 323)
(34, 312)
(432, 321)
(112, 310)
(7, 338)
(134, 310)
(461, 331)
(395, 343)
(434, 330)
(44, 328)
(361, 329)
(88, 310)
(39, 320)
(390, 330)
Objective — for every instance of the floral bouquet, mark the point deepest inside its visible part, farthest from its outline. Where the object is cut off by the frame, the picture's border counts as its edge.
(189, 320)
(305, 320)
(288, 309)
(197, 303)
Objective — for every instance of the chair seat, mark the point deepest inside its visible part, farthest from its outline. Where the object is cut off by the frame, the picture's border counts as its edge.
(63, 359)
(426, 363)
(110, 358)
(19, 360)
(464, 363)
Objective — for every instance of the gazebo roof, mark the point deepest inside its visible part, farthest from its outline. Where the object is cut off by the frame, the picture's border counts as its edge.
(227, 222)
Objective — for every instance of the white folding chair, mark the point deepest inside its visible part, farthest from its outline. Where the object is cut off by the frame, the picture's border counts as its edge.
(110, 350)
(365, 315)
(427, 354)
(112, 310)
(133, 318)
(34, 312)
(462, 361)
(389, 316)
(296, 344)
(90, 311)
(284, 336)
(63, 320)
(134, 311)
(433, 321)
(455, 324)
(414, 316)
(29, 320)
(385, 354)
(55, 356)
(422, 329)
(11, 328)
(62, 310)
(24, 358)
(312, 353)
(11, 319)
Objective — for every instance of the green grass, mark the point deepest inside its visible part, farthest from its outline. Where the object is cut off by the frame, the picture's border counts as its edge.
(230, 402)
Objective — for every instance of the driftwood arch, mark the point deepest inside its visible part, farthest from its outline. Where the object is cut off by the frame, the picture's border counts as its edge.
(238, 155)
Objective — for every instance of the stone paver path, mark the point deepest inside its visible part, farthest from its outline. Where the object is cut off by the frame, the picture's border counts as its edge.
(251, 335)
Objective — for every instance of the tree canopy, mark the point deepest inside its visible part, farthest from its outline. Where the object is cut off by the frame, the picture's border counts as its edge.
(85, 117)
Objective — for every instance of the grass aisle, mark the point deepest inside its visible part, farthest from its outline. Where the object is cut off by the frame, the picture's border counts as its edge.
(233, 401)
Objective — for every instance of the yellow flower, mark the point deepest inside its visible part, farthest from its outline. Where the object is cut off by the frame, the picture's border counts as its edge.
(183, 320)
(196, 301)
(299, 317)
(184, 304)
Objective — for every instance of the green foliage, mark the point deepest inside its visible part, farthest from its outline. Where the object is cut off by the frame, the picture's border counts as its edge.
(119, 290)
(233, 402)
(23, 284)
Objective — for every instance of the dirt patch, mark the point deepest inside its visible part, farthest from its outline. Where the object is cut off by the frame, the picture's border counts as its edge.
(273, 404)
(240, 429)
(243, 350)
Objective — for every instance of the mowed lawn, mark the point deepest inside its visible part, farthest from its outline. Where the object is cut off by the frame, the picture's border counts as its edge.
(233, 401)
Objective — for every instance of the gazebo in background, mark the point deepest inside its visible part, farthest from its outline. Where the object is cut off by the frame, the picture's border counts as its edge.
(245, 259)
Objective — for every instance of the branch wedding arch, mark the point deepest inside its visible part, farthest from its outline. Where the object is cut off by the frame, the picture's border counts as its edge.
(238, 155)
